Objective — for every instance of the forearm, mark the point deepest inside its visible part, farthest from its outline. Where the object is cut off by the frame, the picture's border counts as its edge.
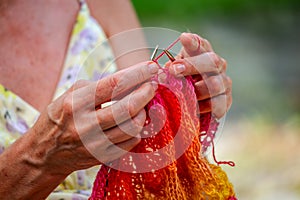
(20, 178)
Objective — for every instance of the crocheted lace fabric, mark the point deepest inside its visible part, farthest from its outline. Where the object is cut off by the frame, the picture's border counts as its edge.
(167, 163)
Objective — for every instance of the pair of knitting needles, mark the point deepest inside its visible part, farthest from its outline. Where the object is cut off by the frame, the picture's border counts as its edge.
(168, 54)
(165, 51)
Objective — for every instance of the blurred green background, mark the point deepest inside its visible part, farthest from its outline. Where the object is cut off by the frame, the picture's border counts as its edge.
(261, 42)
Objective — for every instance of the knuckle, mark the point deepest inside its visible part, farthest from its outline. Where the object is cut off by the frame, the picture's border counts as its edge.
(214, 58)
(219, 63)
(219, 106)
(114, 81)
(229, 81)
(216, 85)
(206, 45)
(224, 64)
(68, 104)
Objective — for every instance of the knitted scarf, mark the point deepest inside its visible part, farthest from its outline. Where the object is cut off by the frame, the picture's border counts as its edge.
(167, 163)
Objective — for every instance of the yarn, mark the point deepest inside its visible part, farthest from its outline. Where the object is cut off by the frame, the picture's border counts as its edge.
(169, 153)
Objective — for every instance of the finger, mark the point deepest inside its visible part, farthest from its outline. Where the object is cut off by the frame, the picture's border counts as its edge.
(118, 83)
(205, 106)
(125, 80)
(128, 129)
(127, 107)
(204, 63)
(194, 45)
(129, 144)
(54, 109)
(217, 105)
(204, 44)
(117, 150)
(212, 86)
(190, 43)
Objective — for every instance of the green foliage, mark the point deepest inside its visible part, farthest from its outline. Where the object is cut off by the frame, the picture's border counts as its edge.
(188, 8)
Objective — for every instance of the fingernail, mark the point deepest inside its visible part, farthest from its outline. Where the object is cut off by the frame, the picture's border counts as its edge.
(178, 68)
(153, 68)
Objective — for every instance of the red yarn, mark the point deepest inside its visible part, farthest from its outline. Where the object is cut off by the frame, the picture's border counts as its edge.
(173, 175)
(169, 152)
(208, 129)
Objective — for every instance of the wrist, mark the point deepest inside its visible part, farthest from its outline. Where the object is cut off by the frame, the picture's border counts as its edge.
(24, 176)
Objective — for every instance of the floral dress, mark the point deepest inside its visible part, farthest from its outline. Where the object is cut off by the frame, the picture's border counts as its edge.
(17, 116)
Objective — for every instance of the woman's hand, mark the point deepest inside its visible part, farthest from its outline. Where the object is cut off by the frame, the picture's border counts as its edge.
(71, 128)
(212, 86)
(74, 128)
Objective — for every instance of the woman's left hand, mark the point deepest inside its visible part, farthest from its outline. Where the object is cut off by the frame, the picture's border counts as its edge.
(212, 85)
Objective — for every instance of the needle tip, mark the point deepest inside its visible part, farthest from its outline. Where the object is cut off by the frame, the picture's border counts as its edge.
(154, 53)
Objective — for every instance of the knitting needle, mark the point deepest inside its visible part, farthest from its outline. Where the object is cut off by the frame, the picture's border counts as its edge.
(170, 56)
(154, 53)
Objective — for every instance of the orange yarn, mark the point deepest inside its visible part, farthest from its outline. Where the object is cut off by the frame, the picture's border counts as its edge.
(175, 174)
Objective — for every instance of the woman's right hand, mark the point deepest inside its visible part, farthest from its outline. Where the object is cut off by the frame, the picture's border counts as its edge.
(75, 124)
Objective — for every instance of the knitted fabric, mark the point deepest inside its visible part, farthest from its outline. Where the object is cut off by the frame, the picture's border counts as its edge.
(184, 175)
